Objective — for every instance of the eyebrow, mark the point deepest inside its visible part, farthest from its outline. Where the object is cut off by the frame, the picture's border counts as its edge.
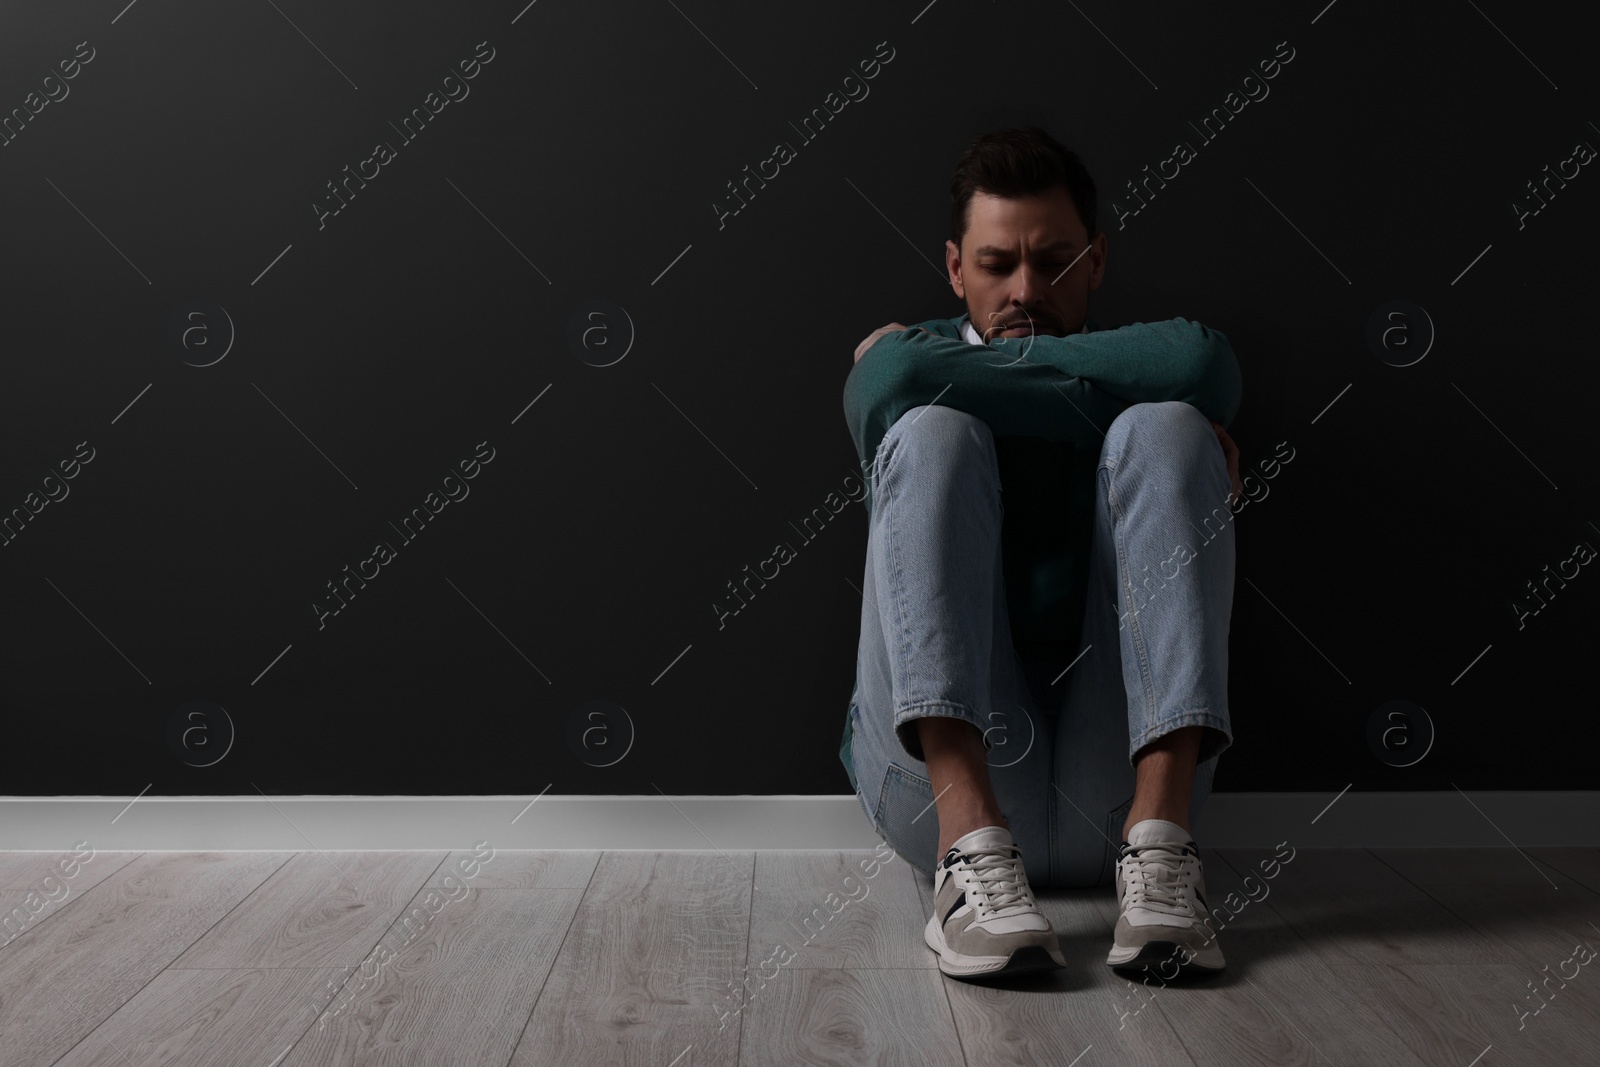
(991, 250)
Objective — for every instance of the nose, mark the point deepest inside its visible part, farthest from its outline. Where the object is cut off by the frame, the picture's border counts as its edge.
(1028, 294)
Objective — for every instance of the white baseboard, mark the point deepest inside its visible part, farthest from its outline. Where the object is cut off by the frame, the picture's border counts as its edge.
(1489, 819)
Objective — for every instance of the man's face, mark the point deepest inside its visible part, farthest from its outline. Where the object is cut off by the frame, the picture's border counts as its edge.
(1012, 266)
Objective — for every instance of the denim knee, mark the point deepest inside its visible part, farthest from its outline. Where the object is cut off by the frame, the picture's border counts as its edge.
(1183, 431)
(1169, 418)
(936, 427)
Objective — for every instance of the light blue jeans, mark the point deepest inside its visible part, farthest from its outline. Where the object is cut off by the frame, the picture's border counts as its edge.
(936, 636)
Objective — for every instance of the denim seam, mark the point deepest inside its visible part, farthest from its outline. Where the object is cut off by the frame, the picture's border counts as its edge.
(900, 643)
(902, 636)
(1135, 633)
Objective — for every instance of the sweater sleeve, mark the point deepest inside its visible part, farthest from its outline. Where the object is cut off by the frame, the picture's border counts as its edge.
(1146, 362)
(1058, 388)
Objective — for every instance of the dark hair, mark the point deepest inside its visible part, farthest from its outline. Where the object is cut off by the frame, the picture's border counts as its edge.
(1015, 163)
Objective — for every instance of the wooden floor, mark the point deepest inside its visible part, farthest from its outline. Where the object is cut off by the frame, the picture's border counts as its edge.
(1347, 956)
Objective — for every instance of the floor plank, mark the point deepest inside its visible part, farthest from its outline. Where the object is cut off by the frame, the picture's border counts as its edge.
(848, 1017)
(62, 980)
(516, 869)
(77, 868)
(1085, 1009)
(321, 909)
(829, 912)
(1349, 907)
(459, 991)
(646, 965)
(1277, 1002)
(46, 885)
(1474, 866)
(200, 1018)
(1454, 1013)
(1534, 925)
(1392, 956)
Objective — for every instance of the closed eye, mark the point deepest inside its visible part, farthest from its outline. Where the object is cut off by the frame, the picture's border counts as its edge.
(1053, 267)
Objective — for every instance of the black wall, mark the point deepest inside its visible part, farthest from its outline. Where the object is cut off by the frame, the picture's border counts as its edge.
(254, 388)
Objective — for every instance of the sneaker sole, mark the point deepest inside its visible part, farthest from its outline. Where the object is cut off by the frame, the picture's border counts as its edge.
(1207, 960)
(1024, 960)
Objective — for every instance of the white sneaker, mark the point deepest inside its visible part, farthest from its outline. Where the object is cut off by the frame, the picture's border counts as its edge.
(1161, 888)
(985, 920)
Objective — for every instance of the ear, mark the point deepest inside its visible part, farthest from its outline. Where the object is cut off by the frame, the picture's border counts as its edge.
(952, 265)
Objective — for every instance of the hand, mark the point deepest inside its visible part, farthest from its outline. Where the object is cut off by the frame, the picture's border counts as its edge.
(872, 338)
(1230, 450)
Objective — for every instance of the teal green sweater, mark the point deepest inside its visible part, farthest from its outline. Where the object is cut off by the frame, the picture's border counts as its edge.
(1049, 402)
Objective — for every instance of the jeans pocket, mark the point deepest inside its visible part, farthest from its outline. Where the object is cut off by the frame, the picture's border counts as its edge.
(906, 817)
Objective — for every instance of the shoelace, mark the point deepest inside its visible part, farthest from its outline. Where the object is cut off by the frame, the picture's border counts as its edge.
(1000, 879)
(1155, 874)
